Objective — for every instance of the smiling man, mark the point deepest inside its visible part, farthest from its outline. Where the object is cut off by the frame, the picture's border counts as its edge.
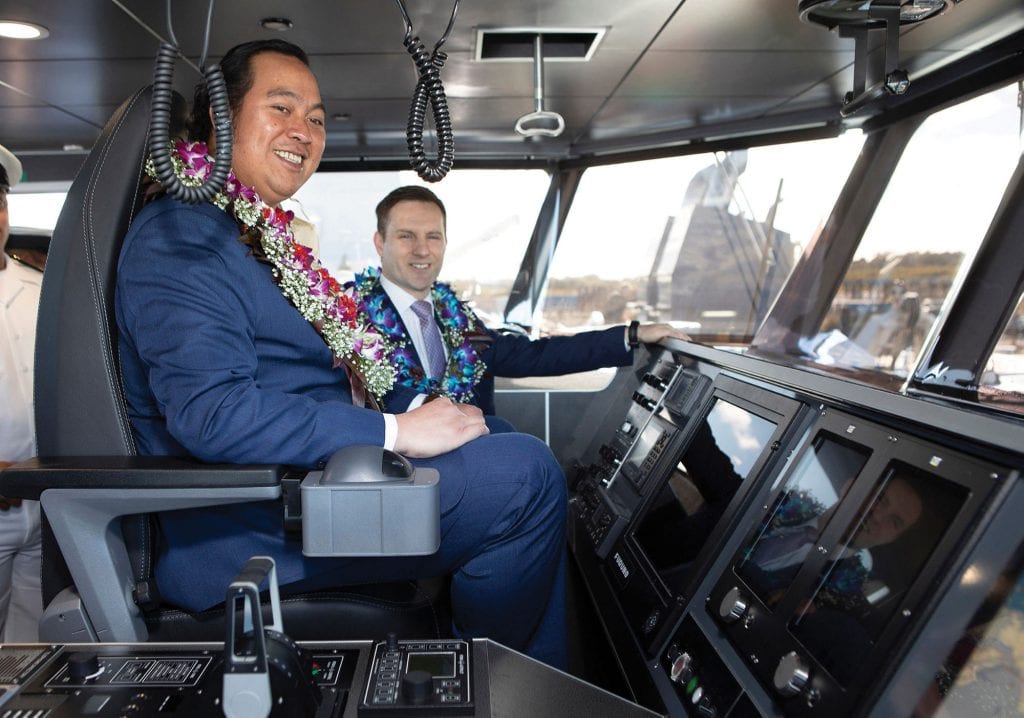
(442, 348)
(229, 354)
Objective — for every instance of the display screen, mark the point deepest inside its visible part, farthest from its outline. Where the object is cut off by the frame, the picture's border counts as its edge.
(638, 462)
(883, 549)
(439, 665)
(725, 446)
(775, 550)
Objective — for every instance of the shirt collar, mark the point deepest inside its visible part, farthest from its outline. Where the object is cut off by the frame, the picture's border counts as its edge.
(399, 297)
(13, 280)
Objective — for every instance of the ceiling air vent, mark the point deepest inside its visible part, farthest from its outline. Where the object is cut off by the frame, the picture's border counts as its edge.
(516, 44)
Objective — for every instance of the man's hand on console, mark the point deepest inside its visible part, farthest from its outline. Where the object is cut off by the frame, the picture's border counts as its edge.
(438, 427)
(654, 333)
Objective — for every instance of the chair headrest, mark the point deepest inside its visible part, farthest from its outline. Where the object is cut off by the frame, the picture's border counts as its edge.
(79, 399)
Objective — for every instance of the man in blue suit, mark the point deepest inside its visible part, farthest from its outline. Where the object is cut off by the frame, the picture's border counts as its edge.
(442, 347)
(233, 339)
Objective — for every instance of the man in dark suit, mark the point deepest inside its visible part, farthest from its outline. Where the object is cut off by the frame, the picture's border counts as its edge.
(221, 362)
(442, 347)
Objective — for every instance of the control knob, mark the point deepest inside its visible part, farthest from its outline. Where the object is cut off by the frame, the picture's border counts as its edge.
(734, 604)
(791, 674)
(417, 687)
(681, 670)
(644, 401)
(610, 455)
(656, 381)
(83, 666)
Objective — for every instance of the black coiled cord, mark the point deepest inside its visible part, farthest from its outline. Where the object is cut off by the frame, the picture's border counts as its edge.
(429, 90)
(160, 130)
(160, 122)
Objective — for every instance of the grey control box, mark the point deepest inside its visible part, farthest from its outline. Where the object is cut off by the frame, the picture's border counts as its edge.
(347, 511)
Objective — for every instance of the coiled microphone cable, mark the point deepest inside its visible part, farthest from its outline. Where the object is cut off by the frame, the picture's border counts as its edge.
(429, 90)
(160, 121)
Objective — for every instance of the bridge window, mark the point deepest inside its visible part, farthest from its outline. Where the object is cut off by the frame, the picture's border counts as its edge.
(924, 233)
(1002, 383)
(707, 239)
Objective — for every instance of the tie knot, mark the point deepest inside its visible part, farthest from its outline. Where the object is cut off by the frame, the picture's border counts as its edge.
(423, 309)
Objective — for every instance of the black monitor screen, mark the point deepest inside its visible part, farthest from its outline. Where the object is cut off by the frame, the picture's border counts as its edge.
(439, 665)
(883, 549)
(639, 462)
(720, 455)
(775, 550)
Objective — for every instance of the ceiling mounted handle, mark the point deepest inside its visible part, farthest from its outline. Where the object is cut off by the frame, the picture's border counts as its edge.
(540, 122)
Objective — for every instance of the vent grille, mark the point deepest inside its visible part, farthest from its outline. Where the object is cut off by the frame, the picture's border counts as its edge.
(516, 44)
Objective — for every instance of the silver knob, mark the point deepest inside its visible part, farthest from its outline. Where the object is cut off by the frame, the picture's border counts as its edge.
(682, 668)
(791, 675)
(734, 604)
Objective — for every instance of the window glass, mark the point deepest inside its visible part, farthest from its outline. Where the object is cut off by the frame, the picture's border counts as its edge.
(926, 229)
(703, 239)
(491, 214)
(1002, 383)
(36, 206)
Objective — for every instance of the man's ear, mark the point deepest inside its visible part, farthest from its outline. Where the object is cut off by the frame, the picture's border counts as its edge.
(378, 243)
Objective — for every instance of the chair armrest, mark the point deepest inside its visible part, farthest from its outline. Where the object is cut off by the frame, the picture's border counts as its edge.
(29, 478)
(83, 497)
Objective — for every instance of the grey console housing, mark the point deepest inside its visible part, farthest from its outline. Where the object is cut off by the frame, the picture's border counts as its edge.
(369, 501)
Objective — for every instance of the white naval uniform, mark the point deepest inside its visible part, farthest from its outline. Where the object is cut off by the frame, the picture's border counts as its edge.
(21, 602)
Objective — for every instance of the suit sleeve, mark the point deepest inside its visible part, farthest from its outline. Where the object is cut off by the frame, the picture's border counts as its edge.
(188, 302)
(517, 356)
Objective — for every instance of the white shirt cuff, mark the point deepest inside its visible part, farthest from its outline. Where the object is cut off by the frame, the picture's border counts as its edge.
(390, 431)
(417, 401)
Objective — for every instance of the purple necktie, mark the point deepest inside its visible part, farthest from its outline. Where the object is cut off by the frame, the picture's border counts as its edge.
(431, 338)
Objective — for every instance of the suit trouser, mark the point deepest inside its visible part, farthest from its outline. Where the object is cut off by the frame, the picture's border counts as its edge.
(503, 515)
(21, 598)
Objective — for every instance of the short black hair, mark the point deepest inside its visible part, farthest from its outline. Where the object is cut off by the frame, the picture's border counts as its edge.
(237, 68)
(5, 181)
(408, 193)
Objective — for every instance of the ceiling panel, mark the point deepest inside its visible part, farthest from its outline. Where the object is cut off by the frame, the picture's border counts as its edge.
(689, 67)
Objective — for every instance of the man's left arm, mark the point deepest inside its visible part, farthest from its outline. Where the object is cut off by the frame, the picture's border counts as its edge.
(518, 356)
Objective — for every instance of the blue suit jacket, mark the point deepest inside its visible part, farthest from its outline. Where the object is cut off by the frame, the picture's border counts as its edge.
(208, 344)
(219, 365)
(518, 356)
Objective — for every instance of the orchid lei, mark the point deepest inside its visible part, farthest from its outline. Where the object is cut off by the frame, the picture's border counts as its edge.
(320, 299)
(458, 325)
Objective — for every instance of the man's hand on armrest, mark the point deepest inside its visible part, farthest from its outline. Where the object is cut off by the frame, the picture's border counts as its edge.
(438, 427)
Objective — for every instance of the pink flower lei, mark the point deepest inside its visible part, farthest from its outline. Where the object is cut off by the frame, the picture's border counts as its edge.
(320, 299)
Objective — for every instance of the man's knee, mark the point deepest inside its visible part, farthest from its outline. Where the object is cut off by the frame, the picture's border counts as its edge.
(544, 475)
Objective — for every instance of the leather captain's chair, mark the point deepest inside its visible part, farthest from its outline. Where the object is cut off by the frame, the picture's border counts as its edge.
(99, 542)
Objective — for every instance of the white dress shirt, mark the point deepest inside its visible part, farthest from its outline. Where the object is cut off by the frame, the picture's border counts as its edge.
(19, 305)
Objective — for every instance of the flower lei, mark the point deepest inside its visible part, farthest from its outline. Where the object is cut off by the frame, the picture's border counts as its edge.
(320, 299)
(459, 326)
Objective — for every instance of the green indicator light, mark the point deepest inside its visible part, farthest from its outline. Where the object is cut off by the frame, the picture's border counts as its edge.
(691, 686)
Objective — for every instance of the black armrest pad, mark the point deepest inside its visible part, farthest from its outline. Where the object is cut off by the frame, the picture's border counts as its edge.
(28, 479)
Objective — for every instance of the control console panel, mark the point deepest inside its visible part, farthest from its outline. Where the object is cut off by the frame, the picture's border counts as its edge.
(419, 678)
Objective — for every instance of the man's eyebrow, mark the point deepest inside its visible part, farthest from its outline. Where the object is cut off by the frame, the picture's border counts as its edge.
(284, 92)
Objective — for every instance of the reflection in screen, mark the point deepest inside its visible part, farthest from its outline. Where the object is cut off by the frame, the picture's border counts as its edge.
(439, 665)
(882, 552)
(774, 552)
(724, 448)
